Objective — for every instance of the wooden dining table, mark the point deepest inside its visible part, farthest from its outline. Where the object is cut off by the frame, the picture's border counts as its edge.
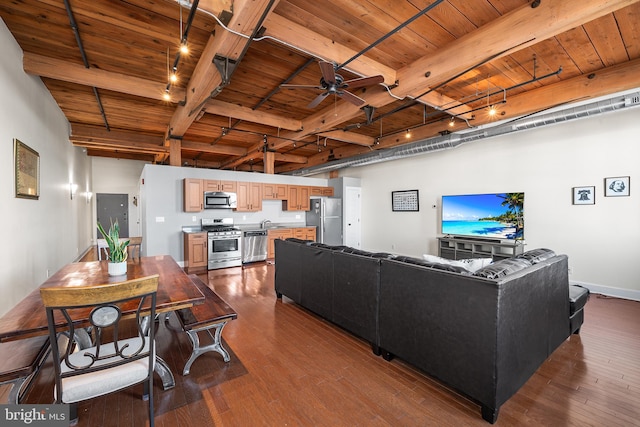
(175, 291)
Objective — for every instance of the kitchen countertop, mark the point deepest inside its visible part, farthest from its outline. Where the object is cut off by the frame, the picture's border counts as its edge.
(250, 227)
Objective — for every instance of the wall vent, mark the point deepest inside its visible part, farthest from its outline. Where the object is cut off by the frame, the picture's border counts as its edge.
(633, 100)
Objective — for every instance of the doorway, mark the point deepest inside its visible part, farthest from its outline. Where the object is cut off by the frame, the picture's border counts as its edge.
(112, 207)
(352, 214)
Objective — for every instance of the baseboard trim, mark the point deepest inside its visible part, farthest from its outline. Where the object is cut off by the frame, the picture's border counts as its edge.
(630, 294)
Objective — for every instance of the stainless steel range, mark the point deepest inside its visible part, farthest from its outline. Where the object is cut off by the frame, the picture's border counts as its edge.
(225, 243)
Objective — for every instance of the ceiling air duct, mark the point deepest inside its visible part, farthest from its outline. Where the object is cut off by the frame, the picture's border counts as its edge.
(615, 103)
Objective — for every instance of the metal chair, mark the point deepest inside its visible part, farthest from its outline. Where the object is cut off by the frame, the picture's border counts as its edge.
(113, 362)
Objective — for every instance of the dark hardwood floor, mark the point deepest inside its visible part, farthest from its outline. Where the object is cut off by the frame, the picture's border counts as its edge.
(291, 368)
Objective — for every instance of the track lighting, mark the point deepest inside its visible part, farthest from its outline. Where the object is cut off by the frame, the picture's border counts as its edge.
(408, 134)
(166, 96)
(184, 49)
(452, 122)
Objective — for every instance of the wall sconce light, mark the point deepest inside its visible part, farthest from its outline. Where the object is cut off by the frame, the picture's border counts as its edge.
(73, 188)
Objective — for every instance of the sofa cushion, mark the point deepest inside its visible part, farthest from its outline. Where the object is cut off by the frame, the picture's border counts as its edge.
(502, 268)
(470, 264)
(537, 255)
(438, 266)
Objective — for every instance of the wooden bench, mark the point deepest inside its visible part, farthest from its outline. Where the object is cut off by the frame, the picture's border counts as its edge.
(214, 314)
(21, 361)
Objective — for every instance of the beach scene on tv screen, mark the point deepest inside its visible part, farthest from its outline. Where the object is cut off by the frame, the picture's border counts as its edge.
(497, 215)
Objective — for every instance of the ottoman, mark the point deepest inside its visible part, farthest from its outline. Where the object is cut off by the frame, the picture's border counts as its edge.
(578, 296)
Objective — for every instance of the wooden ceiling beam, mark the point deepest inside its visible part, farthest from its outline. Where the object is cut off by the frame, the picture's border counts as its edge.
(290, 158)
(206, 81)
(525, 27)
(350, 137)
(76, 73)
(214, 149)
(226, 109)
(310, 42)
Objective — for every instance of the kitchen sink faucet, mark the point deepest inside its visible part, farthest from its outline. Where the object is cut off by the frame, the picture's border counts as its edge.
(264, 223)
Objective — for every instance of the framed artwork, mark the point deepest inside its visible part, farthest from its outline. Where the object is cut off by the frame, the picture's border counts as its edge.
(404, 201)
(617, 186)
(584, 195)
(27, 169)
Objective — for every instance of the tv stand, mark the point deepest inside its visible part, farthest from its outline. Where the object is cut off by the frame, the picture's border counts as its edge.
(452, 247)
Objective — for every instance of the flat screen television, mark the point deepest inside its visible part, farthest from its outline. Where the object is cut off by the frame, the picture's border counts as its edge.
(489, 216)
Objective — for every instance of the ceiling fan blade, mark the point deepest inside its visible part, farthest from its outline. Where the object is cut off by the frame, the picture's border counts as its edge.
(288, 86)
(318, 100)
(363, 81)
(355, 100)
(328, 72)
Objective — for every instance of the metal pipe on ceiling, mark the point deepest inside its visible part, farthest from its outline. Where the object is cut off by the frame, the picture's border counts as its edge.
(76, 32)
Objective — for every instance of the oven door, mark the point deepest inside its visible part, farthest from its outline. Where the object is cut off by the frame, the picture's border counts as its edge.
(224, 251)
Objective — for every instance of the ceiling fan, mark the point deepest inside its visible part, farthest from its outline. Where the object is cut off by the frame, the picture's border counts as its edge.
(333, 83)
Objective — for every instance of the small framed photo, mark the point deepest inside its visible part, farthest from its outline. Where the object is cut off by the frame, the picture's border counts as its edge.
(617, 186)
(584, 195)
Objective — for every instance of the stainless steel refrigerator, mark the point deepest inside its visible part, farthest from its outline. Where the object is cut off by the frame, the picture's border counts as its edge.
(326, 216)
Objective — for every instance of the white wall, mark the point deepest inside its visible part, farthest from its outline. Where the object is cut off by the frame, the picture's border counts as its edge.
(39, 236)
(118, 176)
(601, 240)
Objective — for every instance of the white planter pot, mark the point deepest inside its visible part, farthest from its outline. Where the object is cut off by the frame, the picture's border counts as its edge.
(117, 268)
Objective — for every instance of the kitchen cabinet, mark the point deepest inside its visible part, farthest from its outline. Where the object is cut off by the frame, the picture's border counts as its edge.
(297, 198)
(273, 235)
(305, 233)
(219, 185)
(274, 191)
(322, 191)
(195, 252)
(193, 195)
(249, 196)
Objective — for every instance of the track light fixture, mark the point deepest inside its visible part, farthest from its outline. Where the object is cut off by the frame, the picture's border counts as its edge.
(408, 134)
(184, 49)
(452, 122)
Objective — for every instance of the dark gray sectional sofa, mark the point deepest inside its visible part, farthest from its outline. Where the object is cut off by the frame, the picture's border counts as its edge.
(482, 336)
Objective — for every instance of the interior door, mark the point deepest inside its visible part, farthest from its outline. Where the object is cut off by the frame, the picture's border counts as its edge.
(352, 215)
(112, 207)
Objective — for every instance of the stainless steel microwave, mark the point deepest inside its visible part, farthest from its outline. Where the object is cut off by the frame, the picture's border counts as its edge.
(220, 200)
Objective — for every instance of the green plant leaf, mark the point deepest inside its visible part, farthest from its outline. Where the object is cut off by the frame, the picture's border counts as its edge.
(117, 248)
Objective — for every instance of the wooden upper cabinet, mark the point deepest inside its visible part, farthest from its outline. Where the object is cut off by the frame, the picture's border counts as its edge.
(219, 185)
(297, 198)
(249, 196)
(274, 191)
(193, 195)
(322, 191)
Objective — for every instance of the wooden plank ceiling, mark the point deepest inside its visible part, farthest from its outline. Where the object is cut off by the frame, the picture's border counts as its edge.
(227, 110)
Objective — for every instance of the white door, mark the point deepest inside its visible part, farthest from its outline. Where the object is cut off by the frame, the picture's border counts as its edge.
(352, 210)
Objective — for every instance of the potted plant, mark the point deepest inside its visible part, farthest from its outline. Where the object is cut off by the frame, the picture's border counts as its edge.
(117, 249)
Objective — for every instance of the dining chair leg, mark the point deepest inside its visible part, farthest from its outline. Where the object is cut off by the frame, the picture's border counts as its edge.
(73, 414)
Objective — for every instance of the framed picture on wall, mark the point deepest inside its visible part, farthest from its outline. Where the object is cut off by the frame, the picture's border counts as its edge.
(404, 201)
(584, 195)
(27, 171)
(617, 186)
